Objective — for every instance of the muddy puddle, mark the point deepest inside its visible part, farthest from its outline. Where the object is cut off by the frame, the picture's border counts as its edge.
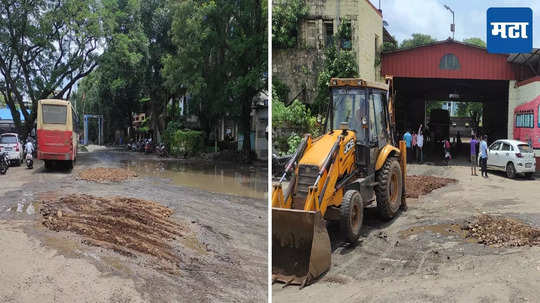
(218, 178)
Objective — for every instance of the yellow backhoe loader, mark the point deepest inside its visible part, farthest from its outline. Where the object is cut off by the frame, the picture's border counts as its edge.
(333, 177)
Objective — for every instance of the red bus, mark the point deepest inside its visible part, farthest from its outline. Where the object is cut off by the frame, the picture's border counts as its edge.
(527, 125)
(57, 132)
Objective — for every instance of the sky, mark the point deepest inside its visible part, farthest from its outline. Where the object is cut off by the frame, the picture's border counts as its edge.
(406, 17)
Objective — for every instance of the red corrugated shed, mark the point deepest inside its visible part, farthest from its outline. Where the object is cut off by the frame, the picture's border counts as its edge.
(423, 62)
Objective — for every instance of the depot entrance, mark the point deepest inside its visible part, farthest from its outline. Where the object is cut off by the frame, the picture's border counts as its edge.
(414, 96)
(450, 72)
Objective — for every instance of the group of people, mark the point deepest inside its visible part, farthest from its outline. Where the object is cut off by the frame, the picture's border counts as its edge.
(483, 154)
(415, 145)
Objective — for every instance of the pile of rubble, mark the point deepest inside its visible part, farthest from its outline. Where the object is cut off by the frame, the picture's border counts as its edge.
(106, 175)
(502, 232)
(416, 186)
(125, 225)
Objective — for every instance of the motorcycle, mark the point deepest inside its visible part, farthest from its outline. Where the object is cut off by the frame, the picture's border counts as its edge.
(148, 147)
(29, 161)
(4, 163)
(162, 150)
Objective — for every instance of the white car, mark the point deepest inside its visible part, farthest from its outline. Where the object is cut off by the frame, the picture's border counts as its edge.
(10, 144)
(511, 156)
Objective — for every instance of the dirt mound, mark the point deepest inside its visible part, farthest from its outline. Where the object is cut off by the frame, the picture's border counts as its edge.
(125, 225)
(105, 175)
(421, 185)
(501, 231)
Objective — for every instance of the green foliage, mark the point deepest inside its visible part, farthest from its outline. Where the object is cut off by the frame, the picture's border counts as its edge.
(434, 105)
(280, 91)
(221, 56)
(337, 64)
(183, 142)
(289, 122)
(295, 116)
(473, 110)
(344, 34)
(417, 40)
(46, 47)
(286, 16)
(390, 46)
(116, 86)
(293, 141)
(475, 41)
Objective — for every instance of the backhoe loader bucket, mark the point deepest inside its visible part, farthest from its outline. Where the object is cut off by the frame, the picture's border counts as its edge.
(300, 246)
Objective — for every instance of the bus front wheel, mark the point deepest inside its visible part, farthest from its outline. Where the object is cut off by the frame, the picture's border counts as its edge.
(47, 164)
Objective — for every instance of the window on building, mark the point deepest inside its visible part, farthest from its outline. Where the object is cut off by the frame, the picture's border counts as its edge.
(346, 35)
(329, 33)
(525, 120)
(311, 34)
(449, 61)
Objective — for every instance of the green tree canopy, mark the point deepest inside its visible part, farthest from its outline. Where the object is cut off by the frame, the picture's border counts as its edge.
(220, 56)
(417, 40)
(46, 47)
(475, 41)
(338, 63)
(286, 16)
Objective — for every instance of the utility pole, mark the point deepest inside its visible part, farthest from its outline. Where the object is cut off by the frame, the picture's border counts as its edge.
(453, 25)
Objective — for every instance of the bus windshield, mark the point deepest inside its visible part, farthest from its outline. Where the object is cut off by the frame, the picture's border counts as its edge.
(350, 108)
(54, 114)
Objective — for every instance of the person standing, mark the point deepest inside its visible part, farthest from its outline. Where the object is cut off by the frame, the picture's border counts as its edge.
(408, 141)
(484, 156)
(420, 145)
(446, 147)
(473, 155)
(414, 146)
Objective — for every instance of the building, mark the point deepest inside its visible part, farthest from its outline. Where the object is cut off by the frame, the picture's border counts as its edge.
(298, 68)
(7, 125)
(459, 71)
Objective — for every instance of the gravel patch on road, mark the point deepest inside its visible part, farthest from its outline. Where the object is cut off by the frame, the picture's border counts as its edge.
(417, 186)
(502, 232)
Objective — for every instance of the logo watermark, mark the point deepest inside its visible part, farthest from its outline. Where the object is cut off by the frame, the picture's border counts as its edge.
(509, 30)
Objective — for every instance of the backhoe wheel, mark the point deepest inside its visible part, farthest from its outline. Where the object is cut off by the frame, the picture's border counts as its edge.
(389, 188)
(352, 215)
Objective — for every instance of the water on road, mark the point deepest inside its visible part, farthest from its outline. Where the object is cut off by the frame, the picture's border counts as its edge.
(219, 178)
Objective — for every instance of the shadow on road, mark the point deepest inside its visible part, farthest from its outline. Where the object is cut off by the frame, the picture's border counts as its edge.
(372, 224)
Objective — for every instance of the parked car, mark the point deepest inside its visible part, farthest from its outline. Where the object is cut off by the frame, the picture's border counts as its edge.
(513, 157)
(10, 143)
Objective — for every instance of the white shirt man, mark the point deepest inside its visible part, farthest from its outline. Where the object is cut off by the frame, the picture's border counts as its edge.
(29, 148)
(420, 144)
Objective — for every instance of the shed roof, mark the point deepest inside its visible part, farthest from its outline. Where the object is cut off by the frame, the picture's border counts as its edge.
(5, 114)
(474, 62)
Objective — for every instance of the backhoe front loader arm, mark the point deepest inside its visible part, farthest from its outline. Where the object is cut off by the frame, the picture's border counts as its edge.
(318, 194)
(284, 199)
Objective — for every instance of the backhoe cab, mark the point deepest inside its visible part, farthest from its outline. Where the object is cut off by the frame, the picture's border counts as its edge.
(354, 165)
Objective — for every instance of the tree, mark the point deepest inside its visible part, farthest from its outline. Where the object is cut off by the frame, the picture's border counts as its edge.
(338, 63)
(115, 86)
(417, 40)
(156, 21)
(434, 105)
(473, 110)
(475, 41)
(286, 16)
(46, 48)
(220, 57)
